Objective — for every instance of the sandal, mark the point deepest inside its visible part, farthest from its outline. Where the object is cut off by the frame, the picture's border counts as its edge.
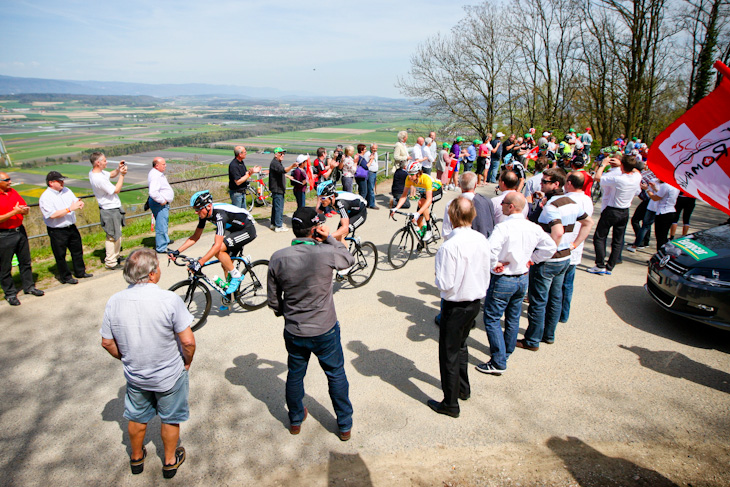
(169, 471)
(138, 465)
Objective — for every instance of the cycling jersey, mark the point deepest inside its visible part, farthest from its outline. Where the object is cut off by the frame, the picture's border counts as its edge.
(424, 183)
(227, 218)
(349, 204)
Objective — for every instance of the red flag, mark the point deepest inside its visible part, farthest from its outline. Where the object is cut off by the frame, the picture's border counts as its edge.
(310, 176)
(532, 155)
(693, 153)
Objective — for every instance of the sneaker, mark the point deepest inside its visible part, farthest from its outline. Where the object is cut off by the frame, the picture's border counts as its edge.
(631, 249)
(488, 368)
(233, 285)
(281, 229)
(428, 235)
(345, 272)
(598, 270)
(641, 247)
(272, 227)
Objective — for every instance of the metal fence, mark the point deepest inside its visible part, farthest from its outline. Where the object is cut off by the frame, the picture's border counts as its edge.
(384, 170)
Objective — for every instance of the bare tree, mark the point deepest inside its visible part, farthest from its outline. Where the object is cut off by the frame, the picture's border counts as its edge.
(458, 75)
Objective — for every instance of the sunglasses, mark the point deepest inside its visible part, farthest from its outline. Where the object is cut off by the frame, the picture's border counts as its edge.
(547, 181)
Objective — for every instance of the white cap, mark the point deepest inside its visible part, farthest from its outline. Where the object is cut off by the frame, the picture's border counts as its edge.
(545, 134)
(301, 158)
(500, 134)
(578, 144)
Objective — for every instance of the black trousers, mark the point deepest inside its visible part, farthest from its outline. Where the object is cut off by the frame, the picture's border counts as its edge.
(662, 224)
(61, 240)
(457, 320)
(15, 242)
(616, 218)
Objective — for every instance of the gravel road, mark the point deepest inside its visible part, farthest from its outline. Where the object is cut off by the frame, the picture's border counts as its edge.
(628, 394)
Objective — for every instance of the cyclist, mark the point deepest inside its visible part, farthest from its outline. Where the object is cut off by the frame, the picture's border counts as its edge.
(234, 229)
(430, 191)
(351, 207)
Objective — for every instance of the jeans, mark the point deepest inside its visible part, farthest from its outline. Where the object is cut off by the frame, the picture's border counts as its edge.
(468, 166)
(457, 320)
(362, 187)
(161, 214)
(277, 209)
(328, 349)
(238, 199)
(567, 293)
(546, 299)
(301, 198)
(616, 218)
(636, 222)
(493, 168)
(372, 176)
(642, 236)
(347, 184)
(504, 296)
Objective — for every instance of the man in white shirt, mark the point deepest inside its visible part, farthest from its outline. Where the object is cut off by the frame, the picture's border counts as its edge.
(508, 183)
(432, 146)
(574, 190)
(665, 198)
(515, 244)
(532, 185)
(560, 215)
(58, 205)
(161, 195)
(462, 277)
(372, 157)
(428, 154)
(111, 214)
(624, 185)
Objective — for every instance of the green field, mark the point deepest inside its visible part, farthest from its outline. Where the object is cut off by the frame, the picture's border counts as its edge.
(75, 171)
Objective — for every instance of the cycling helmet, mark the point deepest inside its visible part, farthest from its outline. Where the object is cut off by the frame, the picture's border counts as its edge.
(579, 145)
(414, 167)
(201, 199)
(326, 188)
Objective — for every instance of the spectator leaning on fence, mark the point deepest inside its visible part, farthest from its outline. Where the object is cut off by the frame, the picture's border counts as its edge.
(238, 176)
(14, 241)
(111, 214)
(161, 195)
(58, 205)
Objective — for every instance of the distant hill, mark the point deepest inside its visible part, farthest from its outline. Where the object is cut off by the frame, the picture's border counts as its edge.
(10, 85)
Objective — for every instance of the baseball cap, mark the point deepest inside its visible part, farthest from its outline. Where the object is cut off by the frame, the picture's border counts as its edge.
(588, 129)
(445, 145)
(500, 134)
(460, 139)
(54, 176)
(279, 149)
(301, 158)
(578, 162)
(571, 130)
(304, 218)
(527, 136)
(477, 142)
(545, 134)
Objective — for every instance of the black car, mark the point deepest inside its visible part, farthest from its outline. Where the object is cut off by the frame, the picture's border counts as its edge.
(690, 276)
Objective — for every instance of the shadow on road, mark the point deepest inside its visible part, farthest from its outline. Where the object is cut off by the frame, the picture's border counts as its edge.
(392, 368)
(590, 467)
(680, 366)
(634, 306)
(114, 412)
(350, 470)
(261, 378)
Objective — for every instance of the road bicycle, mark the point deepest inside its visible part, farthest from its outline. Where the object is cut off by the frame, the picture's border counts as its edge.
(195, 290)
(257, 193)
(401, 247)
(366, 260)
(596, 192)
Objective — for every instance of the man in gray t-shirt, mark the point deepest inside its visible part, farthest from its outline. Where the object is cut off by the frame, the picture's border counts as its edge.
(148, 329)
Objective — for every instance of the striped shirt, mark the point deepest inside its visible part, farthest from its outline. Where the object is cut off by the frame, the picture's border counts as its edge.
(227, 217)
(562, 210)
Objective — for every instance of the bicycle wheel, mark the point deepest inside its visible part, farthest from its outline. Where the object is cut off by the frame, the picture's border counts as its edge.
(596, 192)
(265, 197)
(433, 245)
(400, 248)
(366, 260)
(251, 294)
(249, 199)
(196, 297)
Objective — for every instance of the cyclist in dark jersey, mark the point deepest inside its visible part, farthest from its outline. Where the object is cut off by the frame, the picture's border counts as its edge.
(234, 228)
(351, 207)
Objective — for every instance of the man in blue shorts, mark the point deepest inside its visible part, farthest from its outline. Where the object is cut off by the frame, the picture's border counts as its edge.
(148, 329)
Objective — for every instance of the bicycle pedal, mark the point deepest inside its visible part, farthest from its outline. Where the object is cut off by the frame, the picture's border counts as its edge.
(225, 300)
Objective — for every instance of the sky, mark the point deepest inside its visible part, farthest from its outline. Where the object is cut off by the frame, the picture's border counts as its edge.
(341, 48)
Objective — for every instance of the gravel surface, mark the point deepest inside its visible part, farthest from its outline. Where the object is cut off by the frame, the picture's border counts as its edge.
(628, 394)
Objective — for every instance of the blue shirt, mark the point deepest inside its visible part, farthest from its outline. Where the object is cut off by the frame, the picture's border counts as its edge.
(472, 153)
